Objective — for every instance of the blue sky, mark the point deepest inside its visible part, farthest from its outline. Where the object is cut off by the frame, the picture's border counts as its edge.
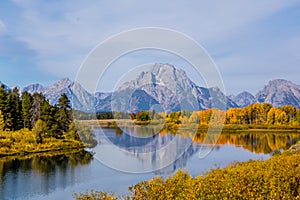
(251, 42)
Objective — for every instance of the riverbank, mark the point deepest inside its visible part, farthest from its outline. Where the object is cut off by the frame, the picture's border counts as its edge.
(51, 153)
(275, 178)
(23, 142)
(114, 123)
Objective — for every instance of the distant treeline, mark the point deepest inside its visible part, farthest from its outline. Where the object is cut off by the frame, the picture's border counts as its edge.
(34, 112)
(254, 114)
(80, 115)
(264, 113)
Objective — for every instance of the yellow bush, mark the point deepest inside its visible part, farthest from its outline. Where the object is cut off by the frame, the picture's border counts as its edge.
(276, 178)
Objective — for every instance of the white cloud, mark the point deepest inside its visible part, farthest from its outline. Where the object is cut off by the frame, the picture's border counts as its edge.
(2, 27)
(252, 68)
(83, 25)
(62, 34)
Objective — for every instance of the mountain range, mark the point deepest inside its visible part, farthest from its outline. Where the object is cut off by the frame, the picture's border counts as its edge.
(278, 92)
(167, 88)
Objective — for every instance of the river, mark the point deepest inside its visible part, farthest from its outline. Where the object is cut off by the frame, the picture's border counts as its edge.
(123, 158)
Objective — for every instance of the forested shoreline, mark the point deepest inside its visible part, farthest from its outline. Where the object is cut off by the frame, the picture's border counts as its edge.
(32, 111)
(30, 124)
(254, 116)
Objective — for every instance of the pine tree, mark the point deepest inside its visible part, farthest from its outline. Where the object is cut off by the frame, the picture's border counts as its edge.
(26, 110)
(15, 110)
(3, 98)
(53, 123)
(10, 111)
(64, 112)
(4, 105)
(48, 115)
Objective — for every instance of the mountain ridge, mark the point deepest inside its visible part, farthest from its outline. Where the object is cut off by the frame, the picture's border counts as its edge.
(168, 87)
(279, 92)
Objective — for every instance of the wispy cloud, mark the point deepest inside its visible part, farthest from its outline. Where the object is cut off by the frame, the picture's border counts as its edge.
(251, 68)
(2, 27)
(61, 33)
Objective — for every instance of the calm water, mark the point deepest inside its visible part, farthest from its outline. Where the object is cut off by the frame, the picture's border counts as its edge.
(124, 159)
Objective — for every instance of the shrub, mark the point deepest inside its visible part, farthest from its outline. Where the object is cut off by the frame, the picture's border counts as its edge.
(276, 178)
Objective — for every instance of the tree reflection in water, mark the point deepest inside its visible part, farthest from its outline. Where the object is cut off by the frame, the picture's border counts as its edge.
(142, 144)
(43, 172)
(46, 163)
(257, 142)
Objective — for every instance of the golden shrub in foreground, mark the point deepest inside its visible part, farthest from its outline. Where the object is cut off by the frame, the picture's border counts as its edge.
(276, 178)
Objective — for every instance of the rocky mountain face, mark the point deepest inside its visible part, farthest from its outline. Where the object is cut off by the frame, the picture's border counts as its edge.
(165, 88)
(33, 88)
(280, 92)
(132, 101)
(81, 99)
(103, 101)
(177, 148)
(173, 90)
(243, 99)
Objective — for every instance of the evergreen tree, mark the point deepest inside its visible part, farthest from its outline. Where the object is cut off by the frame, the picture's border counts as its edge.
(48, 115)
(10, 111)
(26, 110)
(64, 112)
(15, 108)
(3, 98)
(53, 123)
(4, 105)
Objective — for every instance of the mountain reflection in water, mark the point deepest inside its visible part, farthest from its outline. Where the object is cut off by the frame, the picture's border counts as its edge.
(52, 176)
(165, 153)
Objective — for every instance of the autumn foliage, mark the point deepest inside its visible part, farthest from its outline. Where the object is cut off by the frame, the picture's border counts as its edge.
(276, 178)
(256, 114)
